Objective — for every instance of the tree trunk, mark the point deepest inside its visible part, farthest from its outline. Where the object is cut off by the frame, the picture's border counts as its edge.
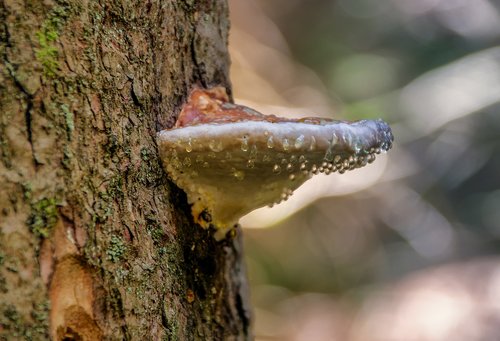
(95, 241)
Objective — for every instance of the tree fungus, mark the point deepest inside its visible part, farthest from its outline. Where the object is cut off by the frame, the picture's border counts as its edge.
(230, 159)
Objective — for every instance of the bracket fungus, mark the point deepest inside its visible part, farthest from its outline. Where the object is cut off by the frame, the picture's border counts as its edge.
(230, 159)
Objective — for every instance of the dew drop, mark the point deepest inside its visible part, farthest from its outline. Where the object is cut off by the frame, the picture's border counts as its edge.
(253, 152)
(276, 169)
(270, 142)
(337, 158)
(266, 158)
(187, 161)
(250, 163)
(357, 146)
(291, 177)
(299, 142)
(334, 140)
(329, 154)
(176, 163)
(286, 144)
(348, 139)
(215, 145)
(205, 164)
(363, 161)
(289, 167)
(244, 144)
(238, 174)
(312, 146)
(189, 146)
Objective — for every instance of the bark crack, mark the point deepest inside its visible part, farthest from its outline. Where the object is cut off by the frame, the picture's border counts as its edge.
(28, 119)
(198, 67)
(20, 86)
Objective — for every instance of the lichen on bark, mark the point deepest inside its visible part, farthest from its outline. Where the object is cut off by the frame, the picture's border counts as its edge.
(91, 229)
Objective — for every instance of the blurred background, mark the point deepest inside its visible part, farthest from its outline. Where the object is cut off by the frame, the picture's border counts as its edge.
(407, 248)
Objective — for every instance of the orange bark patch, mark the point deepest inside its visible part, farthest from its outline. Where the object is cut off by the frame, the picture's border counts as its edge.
(72, 299)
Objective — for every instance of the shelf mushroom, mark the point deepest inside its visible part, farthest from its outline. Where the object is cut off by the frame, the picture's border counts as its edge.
(231, 159)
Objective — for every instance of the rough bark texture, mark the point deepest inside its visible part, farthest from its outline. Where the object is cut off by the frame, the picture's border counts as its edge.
(95, 242)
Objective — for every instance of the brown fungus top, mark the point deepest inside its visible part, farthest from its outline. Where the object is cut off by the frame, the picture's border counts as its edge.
(230, 159)
(213, 106)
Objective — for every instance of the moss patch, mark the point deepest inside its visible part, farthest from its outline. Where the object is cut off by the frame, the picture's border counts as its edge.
(116, 249)
(27, 190)
(43, 217)
(67, 157)
(69, 119)
(48, 34)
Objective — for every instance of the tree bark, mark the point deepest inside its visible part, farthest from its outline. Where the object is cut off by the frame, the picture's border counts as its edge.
(95, 241)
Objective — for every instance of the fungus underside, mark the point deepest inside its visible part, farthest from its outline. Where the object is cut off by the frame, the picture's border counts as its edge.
(230, 159)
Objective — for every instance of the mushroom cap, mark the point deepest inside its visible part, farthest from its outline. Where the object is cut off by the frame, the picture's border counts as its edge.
(231, 166)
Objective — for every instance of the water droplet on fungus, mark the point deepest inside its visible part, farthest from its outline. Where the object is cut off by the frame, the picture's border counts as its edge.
(244, 144)
(312, 146)
(270, 142)
(286, 144)
(189, 146)
(238, 174)
(215, 145)
(299, 142)
(253, 150)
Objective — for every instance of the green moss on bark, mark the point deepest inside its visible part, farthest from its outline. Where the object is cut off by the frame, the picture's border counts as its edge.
(47, 53)
(43, 217)
(116, 249)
